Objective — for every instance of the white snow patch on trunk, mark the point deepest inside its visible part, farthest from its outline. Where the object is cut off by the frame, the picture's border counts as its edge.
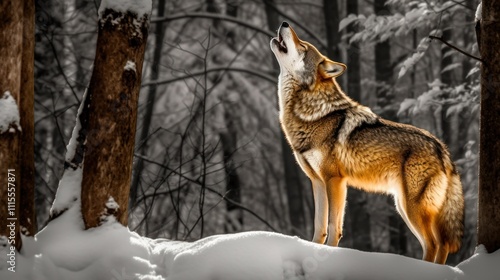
(69, 190)
(139, 7)
(479, 12)
(71, 147)
(111, 204)
(9, 114)
(130, 65)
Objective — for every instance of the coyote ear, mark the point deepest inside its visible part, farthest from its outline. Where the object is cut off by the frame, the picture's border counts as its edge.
(331, 69)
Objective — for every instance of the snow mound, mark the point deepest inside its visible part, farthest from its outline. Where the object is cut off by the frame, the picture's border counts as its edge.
(9, 118)
(63, 250)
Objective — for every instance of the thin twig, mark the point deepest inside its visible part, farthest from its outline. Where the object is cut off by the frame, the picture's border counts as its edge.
(456, 48)
(257, 73)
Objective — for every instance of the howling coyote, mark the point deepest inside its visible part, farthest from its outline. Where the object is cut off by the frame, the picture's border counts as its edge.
(338, 142)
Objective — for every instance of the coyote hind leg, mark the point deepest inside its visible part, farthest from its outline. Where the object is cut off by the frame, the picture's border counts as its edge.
(337, 192)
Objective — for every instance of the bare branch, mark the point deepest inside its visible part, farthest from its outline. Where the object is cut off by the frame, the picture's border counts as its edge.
(214, 16)
(223, 196)
(456, 48)
(216, 69)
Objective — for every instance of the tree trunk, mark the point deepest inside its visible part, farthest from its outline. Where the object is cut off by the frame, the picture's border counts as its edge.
(27, 219)
(16, 129)
(489, 148)
(450, 124)
(332, 15)
(112, 114)
(357, 223)
(293, 184)
(353, 54)
(383, 69)
(229, 142)
(383, 77)
(234, 215)
(146, 123)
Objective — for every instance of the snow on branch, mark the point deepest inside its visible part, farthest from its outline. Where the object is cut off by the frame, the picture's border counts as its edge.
(9, 118)
(138, 7)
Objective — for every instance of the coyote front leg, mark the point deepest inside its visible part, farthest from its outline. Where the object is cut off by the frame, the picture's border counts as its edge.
(337, 191)
(320, 211)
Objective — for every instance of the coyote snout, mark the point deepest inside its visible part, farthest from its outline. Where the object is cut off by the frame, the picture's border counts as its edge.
(338, 142)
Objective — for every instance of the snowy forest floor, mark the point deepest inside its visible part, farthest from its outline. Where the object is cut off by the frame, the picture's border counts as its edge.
(63, 250)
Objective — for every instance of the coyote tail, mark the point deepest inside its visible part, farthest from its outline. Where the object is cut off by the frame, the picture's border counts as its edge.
(451, 216)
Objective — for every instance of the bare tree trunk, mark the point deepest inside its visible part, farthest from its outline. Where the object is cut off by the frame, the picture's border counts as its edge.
(229, 141)
(27, 219)
(353, 55)
(450, 124)
(357, 222)
(383, 76)
(331, 14)
(234, 215)
(16, 131)
(383, 68)
(146, 123)
(293, 184)
(489, 148)
(112, 114)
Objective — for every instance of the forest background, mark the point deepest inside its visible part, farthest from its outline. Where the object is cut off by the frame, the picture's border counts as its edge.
(210, 156)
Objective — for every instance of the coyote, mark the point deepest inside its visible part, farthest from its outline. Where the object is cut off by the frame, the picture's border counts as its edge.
(338, 142)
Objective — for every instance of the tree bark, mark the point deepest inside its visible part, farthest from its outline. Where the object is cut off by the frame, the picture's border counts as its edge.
(489, 147)
(293, 185)
(112, 112)
(27, 219)
(16, 140)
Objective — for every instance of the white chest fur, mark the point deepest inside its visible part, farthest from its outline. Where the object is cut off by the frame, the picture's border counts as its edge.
(314, 158)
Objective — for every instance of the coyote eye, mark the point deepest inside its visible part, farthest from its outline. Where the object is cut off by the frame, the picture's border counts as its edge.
(303, 46)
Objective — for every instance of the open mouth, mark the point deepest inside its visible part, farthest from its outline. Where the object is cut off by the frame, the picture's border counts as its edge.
(280, 43)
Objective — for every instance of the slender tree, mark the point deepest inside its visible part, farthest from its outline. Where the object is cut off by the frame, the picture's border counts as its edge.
(353, 55)
(151, 97)
(383, 76)
(17, 130)
(332, 15)
(27, 219)
(450, 123)
(357, 215)
(112, 113)
(489, 148)
(234, 214)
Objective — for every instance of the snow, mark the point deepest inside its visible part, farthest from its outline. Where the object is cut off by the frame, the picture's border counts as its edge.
(479, 12)
(111, 204)
(129, 66)
(63, 250)
(71, 147)
(139, 7)
(68, 192)
(9, 117)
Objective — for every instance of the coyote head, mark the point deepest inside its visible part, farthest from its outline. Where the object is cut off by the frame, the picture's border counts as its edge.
(300, 60)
